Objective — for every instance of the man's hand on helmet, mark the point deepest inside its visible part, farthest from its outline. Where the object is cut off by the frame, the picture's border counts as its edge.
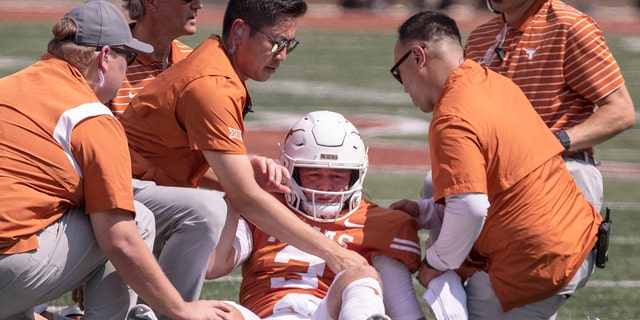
(270, 176)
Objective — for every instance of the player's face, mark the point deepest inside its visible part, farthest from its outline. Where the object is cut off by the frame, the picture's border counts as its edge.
(175, 17)
(255, 58)
(333, 180)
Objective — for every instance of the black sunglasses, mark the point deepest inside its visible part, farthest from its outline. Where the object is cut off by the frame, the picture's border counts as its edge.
(129, 55)
(394, 69)
(278, 45)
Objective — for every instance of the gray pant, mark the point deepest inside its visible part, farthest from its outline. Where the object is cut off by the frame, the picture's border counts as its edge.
(482, 302)
(68, 257)
(589, 180)
(189, 222)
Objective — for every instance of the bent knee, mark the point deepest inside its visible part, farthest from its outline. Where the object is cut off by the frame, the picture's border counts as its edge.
(359, 272)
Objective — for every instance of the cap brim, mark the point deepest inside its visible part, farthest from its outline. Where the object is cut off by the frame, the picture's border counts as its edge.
(139, 46)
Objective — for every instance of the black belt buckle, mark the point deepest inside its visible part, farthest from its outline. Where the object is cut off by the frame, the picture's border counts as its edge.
(602, 246)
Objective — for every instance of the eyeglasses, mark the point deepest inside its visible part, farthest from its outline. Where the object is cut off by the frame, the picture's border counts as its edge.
(279, 45)
(394, 69)
(129, 55)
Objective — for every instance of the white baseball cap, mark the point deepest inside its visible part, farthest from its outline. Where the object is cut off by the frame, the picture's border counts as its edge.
(99, 23)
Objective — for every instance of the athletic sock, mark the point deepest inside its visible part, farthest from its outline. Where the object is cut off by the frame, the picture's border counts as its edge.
(360, 299)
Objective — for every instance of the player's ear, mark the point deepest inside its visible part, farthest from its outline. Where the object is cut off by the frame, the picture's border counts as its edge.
(420, 54)
(103, 57)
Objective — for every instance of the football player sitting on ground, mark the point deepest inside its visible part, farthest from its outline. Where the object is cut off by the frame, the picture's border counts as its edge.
(327, 160)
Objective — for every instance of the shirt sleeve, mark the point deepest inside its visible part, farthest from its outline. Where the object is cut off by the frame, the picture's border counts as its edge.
(99, 145)
(431, 214)
(458, 163)
(463, 220)
(243, 242)
(590, 67)
(399, 240)
(210, 111)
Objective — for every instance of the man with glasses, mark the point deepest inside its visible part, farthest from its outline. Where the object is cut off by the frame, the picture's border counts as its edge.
(513, 223)
(190, 119)
(68, 217)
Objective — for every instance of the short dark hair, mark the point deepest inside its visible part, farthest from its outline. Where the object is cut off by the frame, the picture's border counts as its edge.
(135, 8)
(260, 13)
(429, 26)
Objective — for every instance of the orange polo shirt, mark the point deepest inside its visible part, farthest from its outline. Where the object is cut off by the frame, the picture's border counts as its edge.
(60, 147)
(195, 105)
(485, 137)
(142, 72)
(556, 55)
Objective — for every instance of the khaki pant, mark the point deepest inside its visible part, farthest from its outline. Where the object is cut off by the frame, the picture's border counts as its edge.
(482, 302)
(189, 222)
(67, 258)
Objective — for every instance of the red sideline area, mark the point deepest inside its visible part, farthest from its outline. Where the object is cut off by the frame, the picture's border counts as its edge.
(617, 17)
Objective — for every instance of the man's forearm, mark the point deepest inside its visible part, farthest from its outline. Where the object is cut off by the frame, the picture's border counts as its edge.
(615, 114)
(118, 236)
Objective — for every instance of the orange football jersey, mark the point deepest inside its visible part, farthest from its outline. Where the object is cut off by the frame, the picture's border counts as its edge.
(275, 269)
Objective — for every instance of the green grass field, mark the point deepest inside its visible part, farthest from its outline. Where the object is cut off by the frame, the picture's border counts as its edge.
(347, 72)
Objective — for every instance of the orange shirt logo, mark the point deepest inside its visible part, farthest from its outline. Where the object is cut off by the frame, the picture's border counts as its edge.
(235, 134)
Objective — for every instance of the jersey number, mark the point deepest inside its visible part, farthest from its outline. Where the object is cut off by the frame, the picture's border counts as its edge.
(308, 279)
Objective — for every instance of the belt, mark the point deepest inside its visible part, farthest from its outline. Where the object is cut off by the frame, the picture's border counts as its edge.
(583, 156)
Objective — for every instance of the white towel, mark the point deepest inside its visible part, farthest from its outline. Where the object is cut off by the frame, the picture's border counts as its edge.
(446, 297)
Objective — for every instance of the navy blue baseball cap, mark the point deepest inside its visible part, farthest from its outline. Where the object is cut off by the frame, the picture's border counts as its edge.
(99, 23)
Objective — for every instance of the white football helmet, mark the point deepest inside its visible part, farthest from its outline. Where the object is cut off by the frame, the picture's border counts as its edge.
(324, 139)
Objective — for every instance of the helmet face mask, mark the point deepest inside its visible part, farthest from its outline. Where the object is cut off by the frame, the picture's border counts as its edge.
(324, 140)
(326, 211)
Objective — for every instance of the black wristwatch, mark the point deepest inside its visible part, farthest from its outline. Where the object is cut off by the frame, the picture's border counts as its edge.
(564, 139)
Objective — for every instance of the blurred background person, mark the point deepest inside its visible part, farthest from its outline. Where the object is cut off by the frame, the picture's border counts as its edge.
(159, 23)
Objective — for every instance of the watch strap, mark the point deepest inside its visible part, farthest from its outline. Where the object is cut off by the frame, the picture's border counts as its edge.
(564, 139)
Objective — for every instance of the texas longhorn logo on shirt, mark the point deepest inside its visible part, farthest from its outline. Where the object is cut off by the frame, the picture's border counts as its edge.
(235, 134)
